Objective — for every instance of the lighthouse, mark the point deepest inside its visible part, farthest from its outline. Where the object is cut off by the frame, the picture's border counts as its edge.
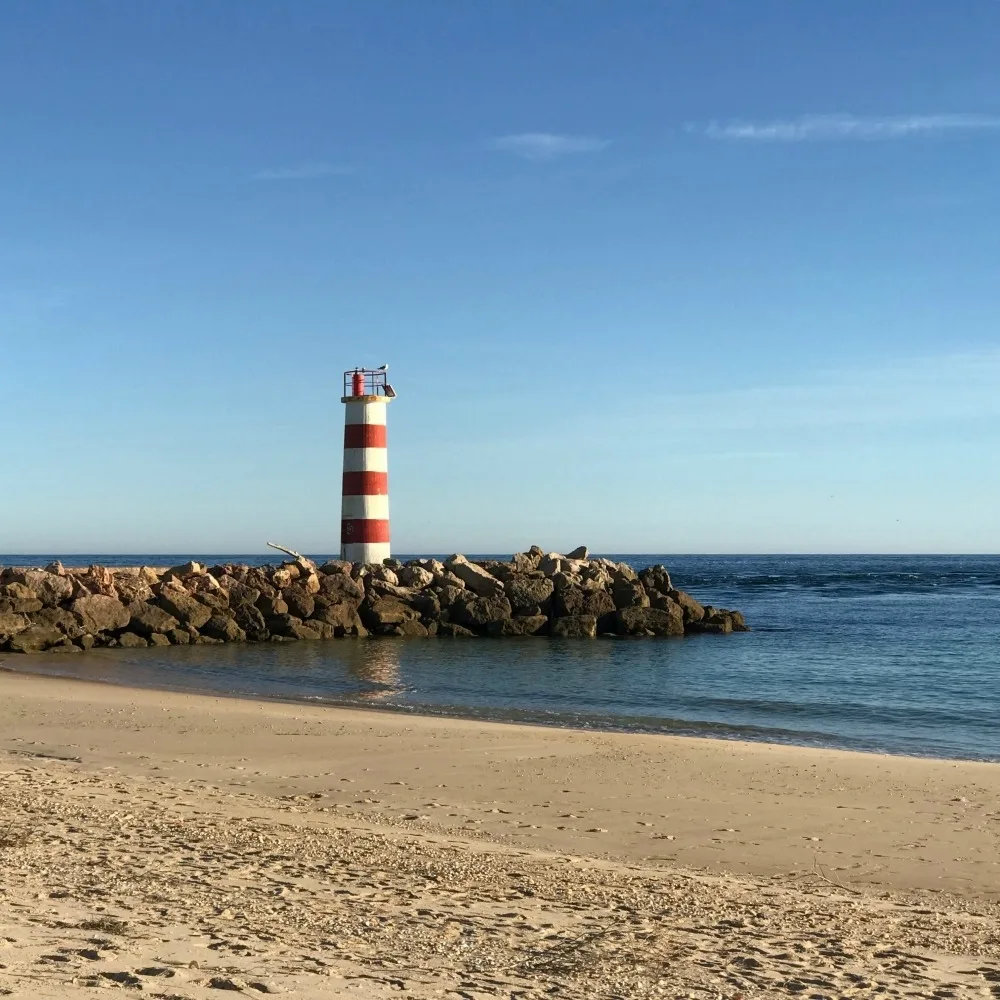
(364, 517)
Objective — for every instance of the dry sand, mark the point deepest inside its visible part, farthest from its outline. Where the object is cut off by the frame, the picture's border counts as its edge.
(186, 845)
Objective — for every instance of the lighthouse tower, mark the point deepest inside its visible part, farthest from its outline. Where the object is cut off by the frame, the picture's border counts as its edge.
(364, 525)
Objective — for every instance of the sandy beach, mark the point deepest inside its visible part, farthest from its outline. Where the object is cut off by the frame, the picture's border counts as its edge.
(186, 844)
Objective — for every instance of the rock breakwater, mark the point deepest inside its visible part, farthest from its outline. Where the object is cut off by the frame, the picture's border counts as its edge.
(533, 594)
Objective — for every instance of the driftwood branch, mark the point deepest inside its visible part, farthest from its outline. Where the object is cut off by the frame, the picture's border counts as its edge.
(281, 548)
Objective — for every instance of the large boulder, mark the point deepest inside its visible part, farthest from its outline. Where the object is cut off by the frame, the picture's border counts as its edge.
(452, 631)
(693, 610)
(574, 627)
(529, 595)
(521, 625)
(11, 624)
(579, 553)
(340, 587)
(476, 613)
(474, 577)
(272, 605)
(186, 570)
(335, 566)
(343, 618)
(145, 619)
(132, 587)
(629, 594)
(19, 606)
(656, 578)
(249, 618)
(576, 601)
(58, 618)
(130, 640)
(49, 588)
(415, 576)
(300, 602)
(412, 628)
(224, 628)
(650, 621)
(178, 602)
(36, 639)
(99, 613)
(378, 612)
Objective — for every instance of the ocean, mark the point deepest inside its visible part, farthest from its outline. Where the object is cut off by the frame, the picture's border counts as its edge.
(894, 654)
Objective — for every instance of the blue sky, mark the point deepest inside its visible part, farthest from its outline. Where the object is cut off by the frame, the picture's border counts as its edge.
(665, 276)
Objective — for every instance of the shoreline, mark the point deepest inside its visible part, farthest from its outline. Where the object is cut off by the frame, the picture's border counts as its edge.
(491, 716)
(713, 804)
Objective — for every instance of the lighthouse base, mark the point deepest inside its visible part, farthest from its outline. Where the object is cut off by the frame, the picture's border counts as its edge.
(364, 552)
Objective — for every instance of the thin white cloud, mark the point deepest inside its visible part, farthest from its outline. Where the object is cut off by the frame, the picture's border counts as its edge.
(546, 145)
(833, 127)
(303, 172)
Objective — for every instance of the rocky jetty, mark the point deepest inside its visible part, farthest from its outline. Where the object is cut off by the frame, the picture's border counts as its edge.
(533, 594)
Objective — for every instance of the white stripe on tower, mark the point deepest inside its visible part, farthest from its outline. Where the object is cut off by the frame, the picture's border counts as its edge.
(364, 524)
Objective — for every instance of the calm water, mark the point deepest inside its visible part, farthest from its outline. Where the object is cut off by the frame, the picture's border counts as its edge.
(899, 654)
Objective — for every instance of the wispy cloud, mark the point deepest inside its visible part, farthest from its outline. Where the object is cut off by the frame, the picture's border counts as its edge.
(546, 145)
(304, 171)
(833, 127)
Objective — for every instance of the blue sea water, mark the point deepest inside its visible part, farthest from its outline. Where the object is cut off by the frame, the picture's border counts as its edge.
(899, 654)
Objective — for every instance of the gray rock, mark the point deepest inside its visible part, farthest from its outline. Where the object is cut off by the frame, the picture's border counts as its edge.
(49, 588)
(158, 639)
(551, 564)
(145, 619)
(377, 612)
(409, 628)
(132, 587)
(656, 578)
(36, 639)
(528, 592)
(521, 625)
(223, 627)
(452, 631)
(178, 636)
(270, 606)
(129, 640)
(56, 567)
(580, 552)
(335, 566)
(575, 601)
(693, 611)
(185, 608)
(340, 587)
(187, 569)
(415, 576)
(300, 602)
(11, 624)
(58, 618)
(574, 627)
(100, 613)
(642, 621)
(629, 594)
(474, 577)
(302, 631)
(477, 612)
(17, 606)
(250, 619)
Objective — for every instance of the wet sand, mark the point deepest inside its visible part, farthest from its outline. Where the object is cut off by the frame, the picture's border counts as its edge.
(332, 852)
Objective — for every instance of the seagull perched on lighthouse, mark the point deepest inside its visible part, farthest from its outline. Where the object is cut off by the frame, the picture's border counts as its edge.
(383, 368)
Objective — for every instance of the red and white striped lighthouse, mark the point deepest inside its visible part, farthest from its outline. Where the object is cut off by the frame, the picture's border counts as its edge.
(364, 524)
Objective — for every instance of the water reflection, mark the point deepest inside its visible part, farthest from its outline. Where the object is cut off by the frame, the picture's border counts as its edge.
(378, 668)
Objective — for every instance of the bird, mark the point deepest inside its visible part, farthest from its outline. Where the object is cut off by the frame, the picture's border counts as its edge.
(389, 391)
(383, 368)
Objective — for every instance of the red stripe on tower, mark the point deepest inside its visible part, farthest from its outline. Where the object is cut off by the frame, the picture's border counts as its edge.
(363, 530)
